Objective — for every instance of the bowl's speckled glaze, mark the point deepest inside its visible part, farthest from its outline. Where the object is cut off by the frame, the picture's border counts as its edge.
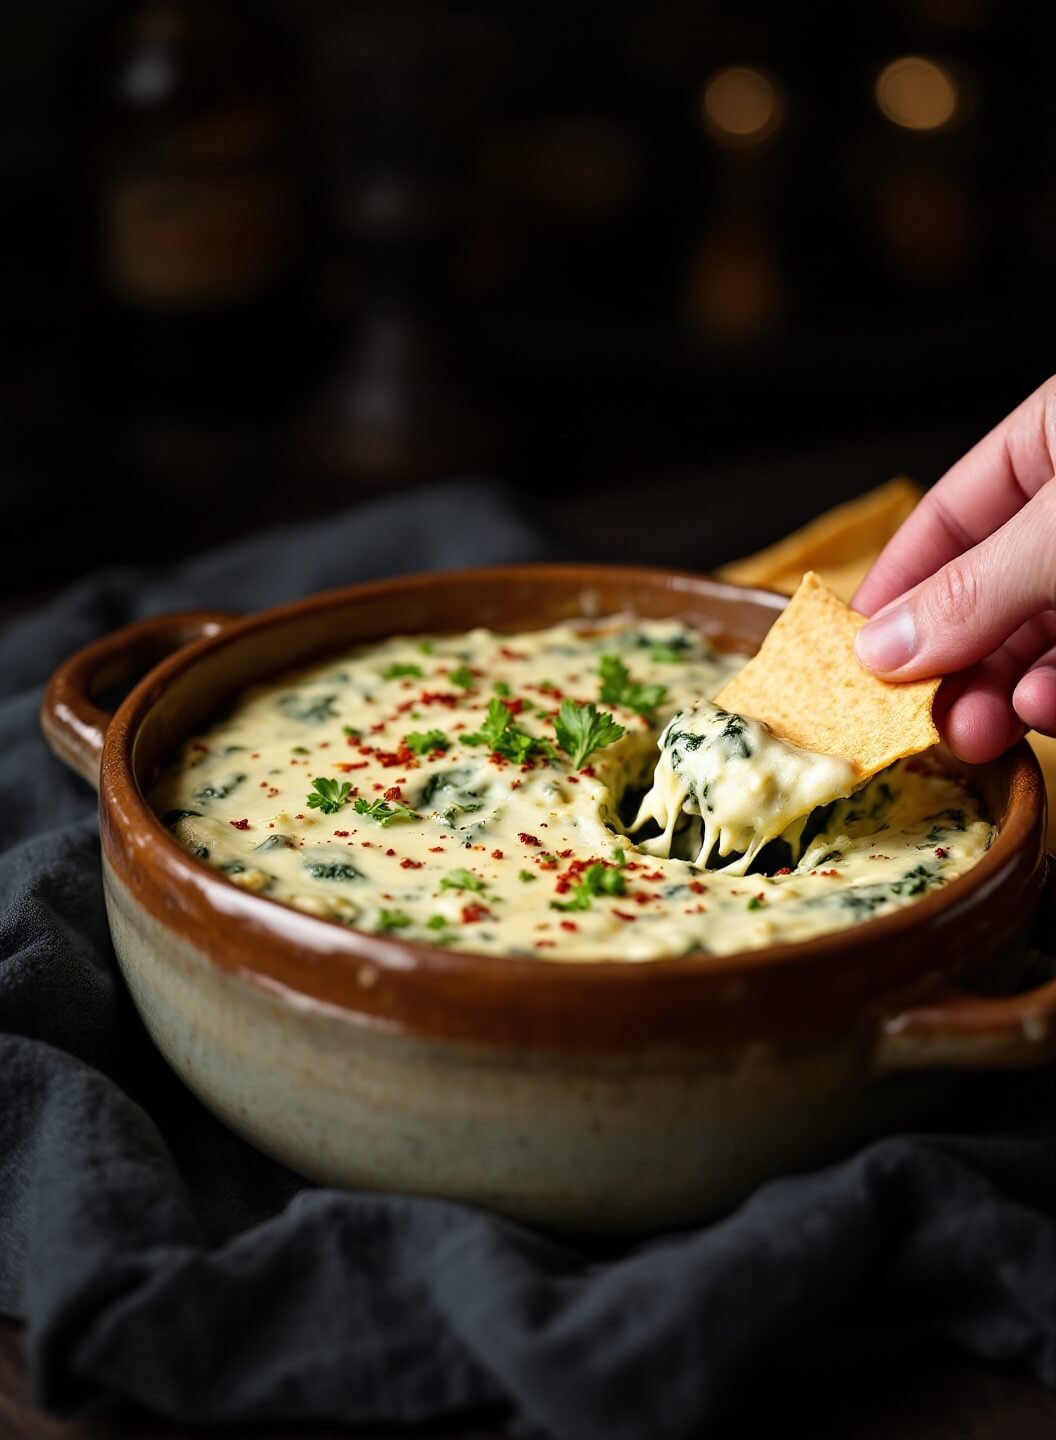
(602, 1096)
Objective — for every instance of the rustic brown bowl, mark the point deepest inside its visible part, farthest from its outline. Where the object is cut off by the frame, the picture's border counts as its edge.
(607, 1096)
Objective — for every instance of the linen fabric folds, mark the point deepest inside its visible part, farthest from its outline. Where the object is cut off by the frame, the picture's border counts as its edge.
(158, 1260)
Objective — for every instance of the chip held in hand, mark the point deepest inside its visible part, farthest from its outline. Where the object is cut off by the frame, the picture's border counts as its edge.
(806, 683)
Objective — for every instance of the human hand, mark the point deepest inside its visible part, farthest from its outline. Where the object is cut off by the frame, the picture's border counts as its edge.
(967, 588)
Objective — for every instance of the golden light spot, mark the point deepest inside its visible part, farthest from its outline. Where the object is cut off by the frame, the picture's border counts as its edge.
(916, 94)
(741, 106)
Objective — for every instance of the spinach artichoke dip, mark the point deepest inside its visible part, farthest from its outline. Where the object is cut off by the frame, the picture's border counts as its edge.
(564, 794)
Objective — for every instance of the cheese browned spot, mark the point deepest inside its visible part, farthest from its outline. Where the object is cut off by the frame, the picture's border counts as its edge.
(456, 844)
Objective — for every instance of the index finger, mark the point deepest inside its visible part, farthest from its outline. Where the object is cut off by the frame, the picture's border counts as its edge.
(972, 500)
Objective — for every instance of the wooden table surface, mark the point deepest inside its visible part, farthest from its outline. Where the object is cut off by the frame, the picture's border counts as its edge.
(952, 1400)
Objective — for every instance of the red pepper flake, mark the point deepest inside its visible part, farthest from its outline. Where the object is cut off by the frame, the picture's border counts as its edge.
(402, 756)
(621, 915)
(515, 707)
(341, 834)
(545, 944)
(941, 852)
(437, 849)
(785, 870)
(239, 824)
(527, 839)
(474, 912)
(653, 876)
(437, 697)
(572, 779)
(346, 766)
(496, 854)
(588, 770)
(393, 793)
(828, 873)
(564, 855)
(367, 844)
(378, 728)
(378, 785)
(694, 885)
(390, 851)
(272, 792)
(408, 864)
(508, 654)
(569, 925)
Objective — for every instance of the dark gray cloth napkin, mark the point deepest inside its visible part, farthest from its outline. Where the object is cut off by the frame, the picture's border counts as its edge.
(158, 1259)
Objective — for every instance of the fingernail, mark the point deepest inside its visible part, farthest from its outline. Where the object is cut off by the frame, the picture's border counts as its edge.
(889, 641)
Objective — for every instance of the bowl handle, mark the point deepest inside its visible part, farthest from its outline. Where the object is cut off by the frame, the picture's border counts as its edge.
(73, 724)
(953, 1029)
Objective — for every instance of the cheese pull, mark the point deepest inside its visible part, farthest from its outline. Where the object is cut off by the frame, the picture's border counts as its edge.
(739, 784)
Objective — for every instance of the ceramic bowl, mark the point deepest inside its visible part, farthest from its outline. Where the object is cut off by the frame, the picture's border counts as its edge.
(598, 1096)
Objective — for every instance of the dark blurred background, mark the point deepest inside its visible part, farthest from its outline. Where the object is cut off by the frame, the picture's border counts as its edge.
(683, 272)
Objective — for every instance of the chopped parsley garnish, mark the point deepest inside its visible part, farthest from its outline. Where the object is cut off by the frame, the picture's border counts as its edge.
(398, 671)
(503, 737)
(424, 743)
(463, 677)
(461, 880)
(328, 795)
(619, 856)
(425, 647)
(384, 811)
(617, 688)
(597, 879)
(582, 729)
(300, 750)
(392, 920)
(351, 732)
(756, 902)
(526, 875)
(435, 922)
(501, 689)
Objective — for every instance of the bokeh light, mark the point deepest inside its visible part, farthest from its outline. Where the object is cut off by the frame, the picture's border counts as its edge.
(741, 106)
(916, 94)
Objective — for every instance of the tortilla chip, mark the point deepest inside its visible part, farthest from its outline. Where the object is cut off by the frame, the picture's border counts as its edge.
(807, 685)
(841, 544)
(1044, 748)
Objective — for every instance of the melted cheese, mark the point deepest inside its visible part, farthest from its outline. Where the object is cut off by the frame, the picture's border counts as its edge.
(744, 786)
(532, 859)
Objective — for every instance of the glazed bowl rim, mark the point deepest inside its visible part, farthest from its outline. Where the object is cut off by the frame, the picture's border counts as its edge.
(333, 939)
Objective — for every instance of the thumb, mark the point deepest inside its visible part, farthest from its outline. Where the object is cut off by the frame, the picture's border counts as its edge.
(969, 607)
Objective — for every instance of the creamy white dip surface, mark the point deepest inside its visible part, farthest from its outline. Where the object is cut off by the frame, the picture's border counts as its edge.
(460, 790)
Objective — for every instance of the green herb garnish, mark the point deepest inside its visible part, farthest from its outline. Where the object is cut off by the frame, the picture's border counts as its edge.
(617, 688)
(435, 922)
(503, 737)
(461, 880)
(582, 729)
(425, 743)
(392, 920)
(756, 902)
(526, 875)
(300, 750)
(352, 732)
(384, 811)
(463, 677)
(501, 689)
(328, 795)
(598, 879)
(398, 671)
